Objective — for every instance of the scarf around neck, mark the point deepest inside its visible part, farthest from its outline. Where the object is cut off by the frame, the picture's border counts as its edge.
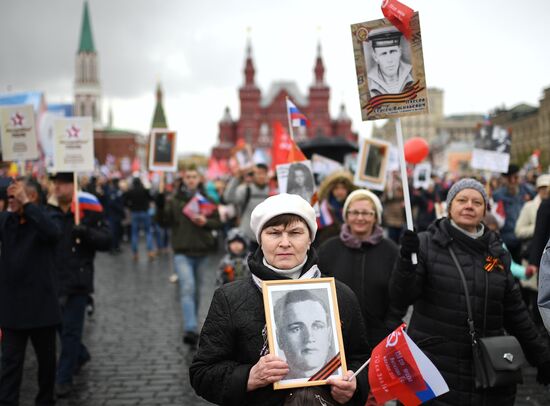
(352, 241)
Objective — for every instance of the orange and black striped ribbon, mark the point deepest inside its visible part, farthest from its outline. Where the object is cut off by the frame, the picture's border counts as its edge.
(409, 94)
(492, 263)
(328, 369)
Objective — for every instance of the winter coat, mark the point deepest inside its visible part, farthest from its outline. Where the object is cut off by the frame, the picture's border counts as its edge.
(544, 287)
(367, 271)
(525, 225)
(75, 255)
(233, 266)
(512, 206)
(231, 341)
(28, 283)
(187, 237)
(137, 199)
(438, 323)
(245, 197)
(542, 233)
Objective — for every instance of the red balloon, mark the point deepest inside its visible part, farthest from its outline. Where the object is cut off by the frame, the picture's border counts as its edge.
(416, 150)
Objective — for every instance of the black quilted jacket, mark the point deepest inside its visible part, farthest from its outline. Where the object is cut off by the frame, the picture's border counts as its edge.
(438, 324)
(231, 341)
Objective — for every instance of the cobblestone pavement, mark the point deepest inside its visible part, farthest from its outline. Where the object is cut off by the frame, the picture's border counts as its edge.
(135, 338)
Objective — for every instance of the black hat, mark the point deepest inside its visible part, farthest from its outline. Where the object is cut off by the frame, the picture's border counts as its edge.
(62, 176)
(512, 170)
(385, 37)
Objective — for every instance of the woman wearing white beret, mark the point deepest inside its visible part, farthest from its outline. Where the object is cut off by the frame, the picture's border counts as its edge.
(232, 365)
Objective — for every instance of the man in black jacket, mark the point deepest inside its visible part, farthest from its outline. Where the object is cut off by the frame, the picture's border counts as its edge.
(75, 265)
(28, 299)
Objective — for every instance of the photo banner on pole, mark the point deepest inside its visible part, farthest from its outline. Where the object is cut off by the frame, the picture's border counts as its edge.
(73, 145)
(492, 148)
(18, 131)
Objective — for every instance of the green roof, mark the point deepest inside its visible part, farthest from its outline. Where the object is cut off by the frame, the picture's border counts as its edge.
(86, 39)
(159, 119)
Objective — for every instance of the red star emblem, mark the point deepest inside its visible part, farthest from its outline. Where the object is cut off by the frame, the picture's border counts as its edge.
(73, 131)
(17, 119)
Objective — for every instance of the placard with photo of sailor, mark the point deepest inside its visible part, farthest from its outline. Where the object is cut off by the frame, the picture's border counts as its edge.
(390, 70)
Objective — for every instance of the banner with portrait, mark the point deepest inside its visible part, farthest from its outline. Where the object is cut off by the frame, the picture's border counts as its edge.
(492, 148)
(390, 69)
(296, 178)
(18, 131)
(293, 309)
(162, 150)
(372, 163)
(73, 145)
(422, 175)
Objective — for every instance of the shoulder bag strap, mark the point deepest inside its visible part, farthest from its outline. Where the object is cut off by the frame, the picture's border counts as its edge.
(468, 304)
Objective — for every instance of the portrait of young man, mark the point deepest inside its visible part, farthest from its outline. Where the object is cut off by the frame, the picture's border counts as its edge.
(389, 73)
(163, 148)
(304, 331)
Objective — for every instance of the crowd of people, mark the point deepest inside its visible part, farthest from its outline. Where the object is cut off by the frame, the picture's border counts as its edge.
(496, 229)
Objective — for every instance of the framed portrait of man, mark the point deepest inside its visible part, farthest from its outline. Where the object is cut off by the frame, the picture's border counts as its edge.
(303, 328)
(492, 148)
(162, 150)
(372, 163)
(390, 69)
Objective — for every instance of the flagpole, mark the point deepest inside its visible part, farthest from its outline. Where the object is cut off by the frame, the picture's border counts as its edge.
(405, 181)
(359, 370)
(289, 121)
(76, 202)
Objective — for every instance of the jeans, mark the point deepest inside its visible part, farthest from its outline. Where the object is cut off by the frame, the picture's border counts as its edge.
(190, 281)
(73, 352)
(161, 236)
(14, 343)
(141, 219)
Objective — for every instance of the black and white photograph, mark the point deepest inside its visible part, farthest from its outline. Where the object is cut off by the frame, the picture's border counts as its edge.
(245, 157)
(390, 70)
(303, 329)
(162, 150)
(422, 175)
(296, 178)
(492, 148)
(372, 163)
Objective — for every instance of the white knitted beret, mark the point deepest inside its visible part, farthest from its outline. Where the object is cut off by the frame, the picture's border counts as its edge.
(283, 203)
(369, 195)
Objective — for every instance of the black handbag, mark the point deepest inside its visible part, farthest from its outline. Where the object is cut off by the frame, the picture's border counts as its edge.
(497, 360)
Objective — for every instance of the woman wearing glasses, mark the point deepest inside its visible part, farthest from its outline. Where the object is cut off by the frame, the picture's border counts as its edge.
(363, 259)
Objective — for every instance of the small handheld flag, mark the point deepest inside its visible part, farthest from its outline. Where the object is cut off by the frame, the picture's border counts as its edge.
(295, 116)
(87, 201)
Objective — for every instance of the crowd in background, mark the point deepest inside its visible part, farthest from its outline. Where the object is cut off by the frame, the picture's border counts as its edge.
(357, 230)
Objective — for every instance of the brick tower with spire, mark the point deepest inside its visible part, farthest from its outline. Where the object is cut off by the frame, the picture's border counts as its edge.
(159, 118)
(87, 88)
(258, 112)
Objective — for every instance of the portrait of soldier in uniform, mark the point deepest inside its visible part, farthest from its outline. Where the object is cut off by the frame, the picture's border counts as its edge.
(389, 74)
(304, 331)
(163, 148)
(375, 158)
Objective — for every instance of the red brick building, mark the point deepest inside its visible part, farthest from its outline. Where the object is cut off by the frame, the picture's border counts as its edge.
(258, 112)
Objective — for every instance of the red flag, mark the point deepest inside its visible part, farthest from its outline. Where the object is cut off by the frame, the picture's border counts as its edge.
(399, 15)
(281, 145)
(393, 372)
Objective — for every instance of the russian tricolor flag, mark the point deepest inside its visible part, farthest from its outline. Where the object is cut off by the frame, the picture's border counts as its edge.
(206, 207)
(400, 370)
(296, 117)
(88, 201)
(325, 217)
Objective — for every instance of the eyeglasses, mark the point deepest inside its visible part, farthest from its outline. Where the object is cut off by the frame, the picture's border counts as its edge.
(366, 214)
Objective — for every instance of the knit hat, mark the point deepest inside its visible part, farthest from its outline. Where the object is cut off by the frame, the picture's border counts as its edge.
(370, 196)
(543, 180)
(283, 203)
(466, 183)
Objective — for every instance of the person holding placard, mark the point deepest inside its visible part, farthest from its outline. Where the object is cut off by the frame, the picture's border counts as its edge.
(75, 254)
(233, 364)
(449, 318)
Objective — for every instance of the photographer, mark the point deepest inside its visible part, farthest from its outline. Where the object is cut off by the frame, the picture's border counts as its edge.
(28, 299)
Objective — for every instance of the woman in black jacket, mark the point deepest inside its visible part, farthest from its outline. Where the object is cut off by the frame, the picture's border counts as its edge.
(439, 322)
(233, 365)
(363, 259)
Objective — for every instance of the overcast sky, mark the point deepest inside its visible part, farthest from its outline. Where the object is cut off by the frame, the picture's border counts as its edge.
(482, 53)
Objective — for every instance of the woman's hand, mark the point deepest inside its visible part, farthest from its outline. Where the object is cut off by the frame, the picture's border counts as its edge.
(267, 370)
(341, 389)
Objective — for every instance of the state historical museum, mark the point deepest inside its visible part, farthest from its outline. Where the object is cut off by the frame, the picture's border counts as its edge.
(258, 112)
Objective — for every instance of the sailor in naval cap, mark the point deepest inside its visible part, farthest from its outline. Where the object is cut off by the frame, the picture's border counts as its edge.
(390, 74)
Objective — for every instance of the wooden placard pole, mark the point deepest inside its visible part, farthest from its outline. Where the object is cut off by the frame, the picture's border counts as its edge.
(404, 181)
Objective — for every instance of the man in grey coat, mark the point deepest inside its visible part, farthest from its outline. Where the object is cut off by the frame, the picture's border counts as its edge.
(544, 287)
(246, 196)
